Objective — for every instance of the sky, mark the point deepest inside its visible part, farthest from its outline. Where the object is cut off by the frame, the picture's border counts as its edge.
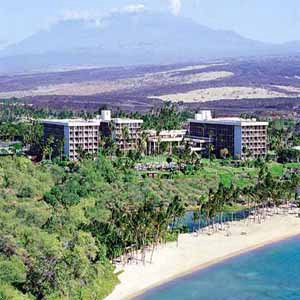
(274, 21)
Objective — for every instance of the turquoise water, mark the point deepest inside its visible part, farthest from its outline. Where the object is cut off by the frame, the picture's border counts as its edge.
(269, 273)
(187, 220)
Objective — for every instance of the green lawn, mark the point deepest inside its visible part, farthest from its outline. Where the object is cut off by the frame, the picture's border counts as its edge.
(155, 159)
(293, 165)
(276, 169)
(191, 186)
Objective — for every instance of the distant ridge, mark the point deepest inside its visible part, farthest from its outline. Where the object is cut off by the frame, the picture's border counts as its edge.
(129, 38)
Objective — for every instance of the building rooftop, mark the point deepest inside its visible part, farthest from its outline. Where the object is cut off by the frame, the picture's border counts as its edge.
(71, 122)
(232, 121)
(104, 117)
(166, 132)
(205, 117)
(127, 121)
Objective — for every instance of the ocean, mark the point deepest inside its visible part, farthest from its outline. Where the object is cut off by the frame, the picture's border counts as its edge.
(268, 273)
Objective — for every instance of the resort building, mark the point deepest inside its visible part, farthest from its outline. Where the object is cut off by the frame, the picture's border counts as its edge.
(237, 137)
(75, 135)
(72, 136)
(126, 133)
(172, 138)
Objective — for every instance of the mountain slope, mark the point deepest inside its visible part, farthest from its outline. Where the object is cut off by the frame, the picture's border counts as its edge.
(124, 39)
(132, 30)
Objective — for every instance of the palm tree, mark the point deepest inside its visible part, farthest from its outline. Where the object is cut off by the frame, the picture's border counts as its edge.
(142, 145)
(158, 141)
(47, 148)
(159, 225)
(211, 149)
(51, 145)
(60, 146)
(198, 212)
(125, 136)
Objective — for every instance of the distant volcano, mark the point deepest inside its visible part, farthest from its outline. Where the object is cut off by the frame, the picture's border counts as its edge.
(128, 38)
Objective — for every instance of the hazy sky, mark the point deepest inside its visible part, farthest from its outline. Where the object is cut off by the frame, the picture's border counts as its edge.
(266, 20)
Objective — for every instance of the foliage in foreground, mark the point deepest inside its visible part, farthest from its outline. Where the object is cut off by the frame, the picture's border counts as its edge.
(62, 224)
(44, 253)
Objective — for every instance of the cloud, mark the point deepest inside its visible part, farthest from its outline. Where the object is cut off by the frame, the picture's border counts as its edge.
(80, 15)
(134, 8)
(175, 6)
(88, 15)
(90, 18)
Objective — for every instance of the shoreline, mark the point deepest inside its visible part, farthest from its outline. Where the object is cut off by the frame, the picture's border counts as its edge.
(210, 264)
(139, 279)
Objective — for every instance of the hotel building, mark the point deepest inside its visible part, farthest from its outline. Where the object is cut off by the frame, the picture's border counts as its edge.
(241, 137)
(85, 135)
(126, 133)
(76, 135)
(171, 137)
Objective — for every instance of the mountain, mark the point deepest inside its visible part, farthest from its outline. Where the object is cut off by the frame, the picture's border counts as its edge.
(125, 38)
(293, 46)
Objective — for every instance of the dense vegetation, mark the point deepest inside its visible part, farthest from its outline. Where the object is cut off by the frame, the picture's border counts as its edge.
(44, 253)
(19, 121)
(61, 225)
(64, 224)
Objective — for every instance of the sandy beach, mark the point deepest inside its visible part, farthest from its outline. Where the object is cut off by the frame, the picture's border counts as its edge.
(225, 93)
(196, 252)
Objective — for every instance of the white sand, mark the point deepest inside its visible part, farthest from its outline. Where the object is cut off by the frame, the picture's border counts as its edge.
(195, 252)
(221, 93)
(204, 76)
(293, 89)
(193, 68)
(87, 88)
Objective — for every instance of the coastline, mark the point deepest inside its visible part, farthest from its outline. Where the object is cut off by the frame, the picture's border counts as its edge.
(195, 253)
(209, 264)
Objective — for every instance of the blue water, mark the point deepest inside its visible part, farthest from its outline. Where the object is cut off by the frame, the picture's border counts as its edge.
(269, 273)
(187, 220)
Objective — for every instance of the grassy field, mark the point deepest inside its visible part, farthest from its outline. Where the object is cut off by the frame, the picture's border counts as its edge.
(191, 187)
(162, 158)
